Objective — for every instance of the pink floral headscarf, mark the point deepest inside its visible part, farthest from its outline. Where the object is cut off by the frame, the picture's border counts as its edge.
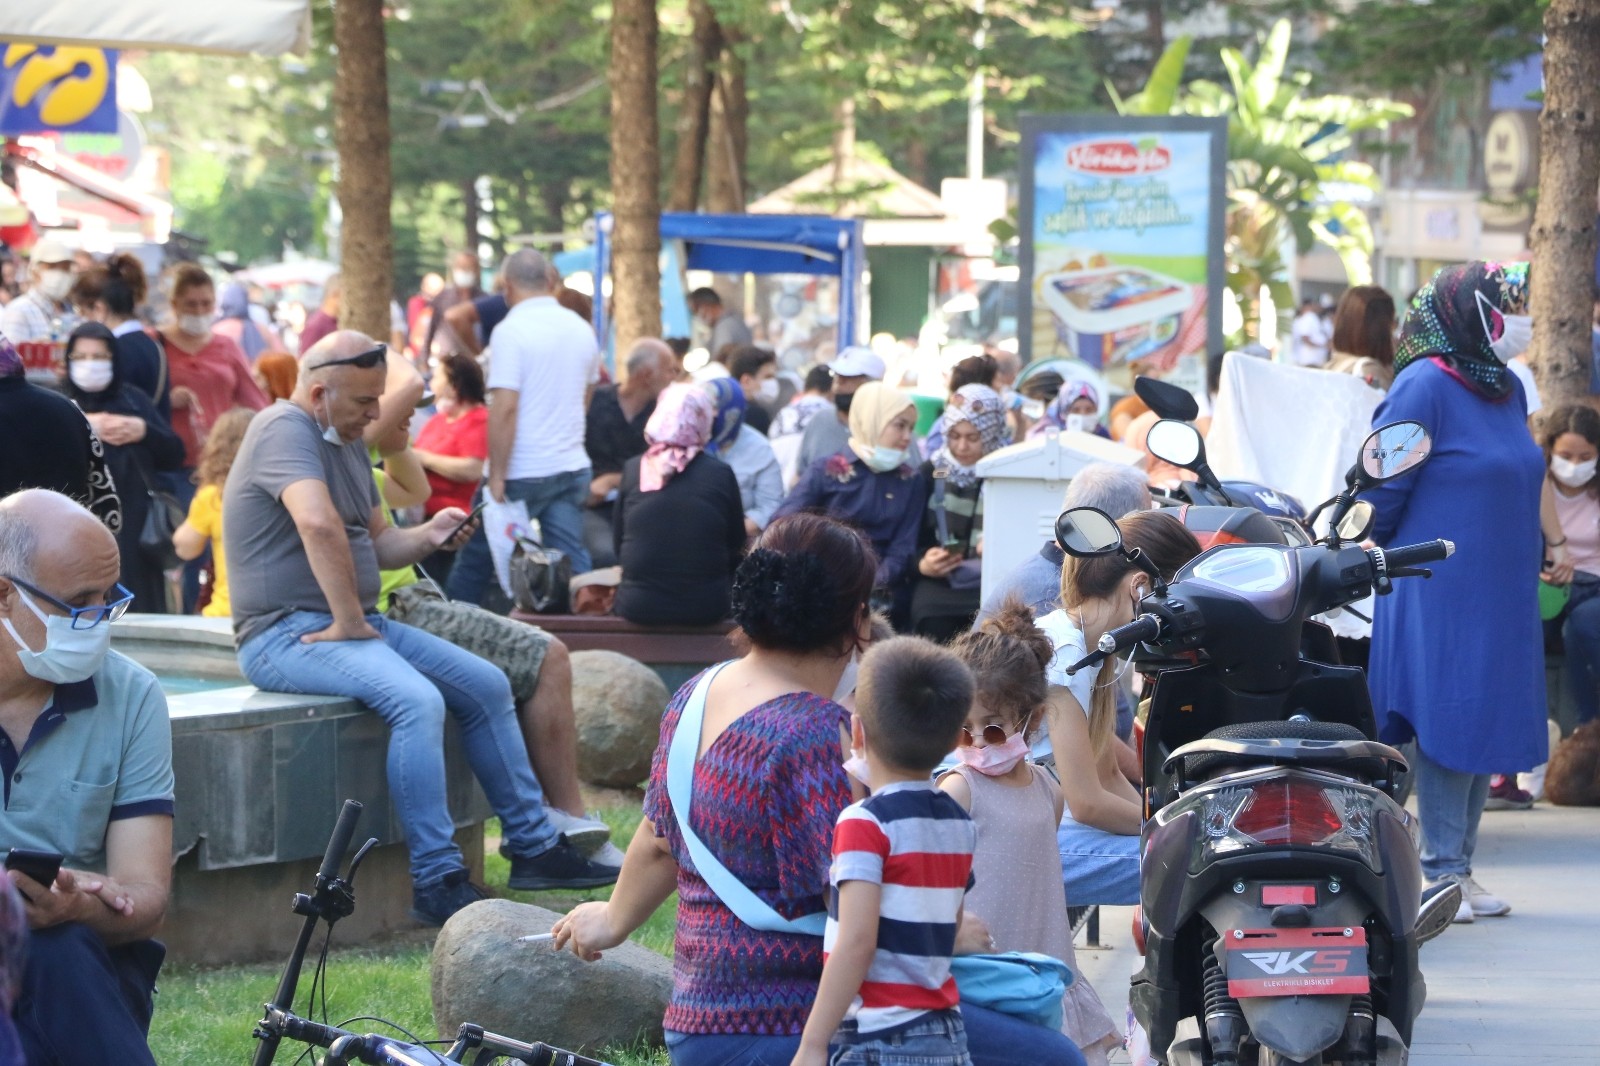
(676, 432)
(10, 361)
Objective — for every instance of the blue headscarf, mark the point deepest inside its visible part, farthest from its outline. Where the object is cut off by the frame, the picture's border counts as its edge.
(234, 302)
(730, 401)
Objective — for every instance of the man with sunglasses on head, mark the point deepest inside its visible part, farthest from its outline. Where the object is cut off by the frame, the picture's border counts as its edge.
(86, 757)
(306, 536)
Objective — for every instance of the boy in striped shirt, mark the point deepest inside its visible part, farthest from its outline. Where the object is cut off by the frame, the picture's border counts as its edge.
(902, 864)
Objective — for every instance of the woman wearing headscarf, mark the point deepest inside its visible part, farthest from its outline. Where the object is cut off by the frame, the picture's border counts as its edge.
(871, 484)
(1458, 661)
(1076, 407)
(679, 524)
(945, 593)
(748, 452)
(234, 322)
(138, 442)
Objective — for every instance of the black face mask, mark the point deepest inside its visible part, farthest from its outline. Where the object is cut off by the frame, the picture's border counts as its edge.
(842, 402)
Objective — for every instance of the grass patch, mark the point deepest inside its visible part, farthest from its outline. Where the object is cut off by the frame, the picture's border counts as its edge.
(203, 1017)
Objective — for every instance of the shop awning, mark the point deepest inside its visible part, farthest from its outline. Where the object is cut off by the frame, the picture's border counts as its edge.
(264, 27)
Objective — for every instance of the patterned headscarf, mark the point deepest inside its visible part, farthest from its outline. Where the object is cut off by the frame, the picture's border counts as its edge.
(981, 407)
(1447, 321)
(1055, 413)
(730, 404)
(676, 432)
(10, 360)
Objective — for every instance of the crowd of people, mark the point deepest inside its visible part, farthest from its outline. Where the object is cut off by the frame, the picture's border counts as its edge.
(887, 802)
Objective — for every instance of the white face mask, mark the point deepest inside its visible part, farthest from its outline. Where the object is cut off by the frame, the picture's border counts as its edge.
(1079, 424)
(90, 375)
(856, 766)
(56, 284)
(1572, 475)
(767, 390)
(464, 279)
(1516, 331)
(884, 459)
(69, 654)
(194, 325)
(330, 434)
(847, 680)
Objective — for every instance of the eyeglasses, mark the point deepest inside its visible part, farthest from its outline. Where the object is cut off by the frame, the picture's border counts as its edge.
(82, 617)
(993, 735)
(364, 361)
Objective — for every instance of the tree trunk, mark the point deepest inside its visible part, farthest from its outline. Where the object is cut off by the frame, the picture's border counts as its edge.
(844, 144)
(688, 167)
(469, 214)
(635, 173)
(361, 137)
(727, 137)
(1561, 289)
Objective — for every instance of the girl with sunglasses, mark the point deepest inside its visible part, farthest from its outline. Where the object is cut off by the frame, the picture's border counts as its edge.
(1016, 807)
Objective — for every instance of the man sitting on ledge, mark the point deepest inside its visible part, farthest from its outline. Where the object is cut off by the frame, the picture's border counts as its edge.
(86, 757)
(306, 536)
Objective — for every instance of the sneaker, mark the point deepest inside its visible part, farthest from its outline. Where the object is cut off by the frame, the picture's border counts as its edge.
(586, 834)
(1504, 795)
(608, 855)
(1464, 915)
(434, 903)
(1484, 903)
(1532, 781)
(563, 866)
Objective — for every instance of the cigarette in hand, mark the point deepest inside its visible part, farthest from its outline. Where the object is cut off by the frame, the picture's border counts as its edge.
(537, 938)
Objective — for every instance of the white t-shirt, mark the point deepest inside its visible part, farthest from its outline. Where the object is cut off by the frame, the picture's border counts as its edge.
(1524, 374)
(1070, 647)
(1310, 338)
(548, 356)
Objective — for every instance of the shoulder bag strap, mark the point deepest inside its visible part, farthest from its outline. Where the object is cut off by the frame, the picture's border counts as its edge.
(161, 372)
(681, 755)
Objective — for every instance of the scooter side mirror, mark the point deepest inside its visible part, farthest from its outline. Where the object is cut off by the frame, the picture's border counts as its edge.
(1087, 532)
(1166, 399)
(1395, 449)
(1177, 443)
(1357, 522)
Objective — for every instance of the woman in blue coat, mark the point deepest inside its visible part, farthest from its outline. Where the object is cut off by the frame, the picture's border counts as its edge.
(1458, 661)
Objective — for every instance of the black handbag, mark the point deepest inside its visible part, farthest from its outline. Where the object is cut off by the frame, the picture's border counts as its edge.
(162, 518)
(540, 578)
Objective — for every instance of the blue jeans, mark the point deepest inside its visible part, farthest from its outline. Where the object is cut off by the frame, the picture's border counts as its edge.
(409, 679)
(557, 502)
(993, 1039)
(83, 1003)
(1449, 805)
(936, 1039)
(1580, 632)
(1097, 867)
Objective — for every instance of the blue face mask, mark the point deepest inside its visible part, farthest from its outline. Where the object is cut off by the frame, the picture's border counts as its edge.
(69, 654)
(884, 459)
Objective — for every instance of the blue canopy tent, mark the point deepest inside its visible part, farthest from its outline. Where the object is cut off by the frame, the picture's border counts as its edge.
(757, 244)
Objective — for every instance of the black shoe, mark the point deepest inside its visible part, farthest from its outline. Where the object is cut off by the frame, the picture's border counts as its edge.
(433, 904)
(563, 866)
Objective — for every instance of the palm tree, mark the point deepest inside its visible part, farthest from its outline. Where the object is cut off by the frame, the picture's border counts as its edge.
(1289, 175)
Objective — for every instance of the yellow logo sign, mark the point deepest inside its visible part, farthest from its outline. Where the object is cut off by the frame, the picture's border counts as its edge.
(68, 83)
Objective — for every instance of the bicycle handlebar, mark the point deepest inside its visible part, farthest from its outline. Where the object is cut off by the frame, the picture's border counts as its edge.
(339, 843)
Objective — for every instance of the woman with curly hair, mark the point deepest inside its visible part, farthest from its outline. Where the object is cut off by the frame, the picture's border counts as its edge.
(678, 527)
(767, 783)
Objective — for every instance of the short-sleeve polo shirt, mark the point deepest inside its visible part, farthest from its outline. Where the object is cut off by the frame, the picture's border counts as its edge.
(100, 752)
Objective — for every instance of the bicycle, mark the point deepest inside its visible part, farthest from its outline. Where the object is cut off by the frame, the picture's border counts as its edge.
(333, 898)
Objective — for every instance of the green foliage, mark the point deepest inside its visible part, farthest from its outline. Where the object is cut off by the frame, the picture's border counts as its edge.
(1288, 163)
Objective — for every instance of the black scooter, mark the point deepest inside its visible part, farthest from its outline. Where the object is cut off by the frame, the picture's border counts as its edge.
(1281, 905)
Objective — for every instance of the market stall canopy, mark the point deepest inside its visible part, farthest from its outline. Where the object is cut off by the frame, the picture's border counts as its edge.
(263, 27)
(313, 273)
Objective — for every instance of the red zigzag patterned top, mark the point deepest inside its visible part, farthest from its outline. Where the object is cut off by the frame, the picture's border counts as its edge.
(766, 794)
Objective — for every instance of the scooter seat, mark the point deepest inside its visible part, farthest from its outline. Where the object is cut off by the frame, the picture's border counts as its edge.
(1348, 751)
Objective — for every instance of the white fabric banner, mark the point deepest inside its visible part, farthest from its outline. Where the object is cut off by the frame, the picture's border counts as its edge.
(263, 27)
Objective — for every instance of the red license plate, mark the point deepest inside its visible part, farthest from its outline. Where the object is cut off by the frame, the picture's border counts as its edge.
(1296, 962)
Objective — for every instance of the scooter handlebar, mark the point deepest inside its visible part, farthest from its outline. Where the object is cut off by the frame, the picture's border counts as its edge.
(1145, 627)
(1432, 551)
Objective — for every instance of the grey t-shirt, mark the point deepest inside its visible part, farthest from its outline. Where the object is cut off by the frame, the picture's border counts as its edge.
(269, 574)
(729, 329)
(825, 435)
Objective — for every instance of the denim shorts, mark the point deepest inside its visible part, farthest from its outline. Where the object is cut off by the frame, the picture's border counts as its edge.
(938, 1038)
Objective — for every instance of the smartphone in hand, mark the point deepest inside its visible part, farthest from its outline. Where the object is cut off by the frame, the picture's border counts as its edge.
(41, 866)
(465, 522)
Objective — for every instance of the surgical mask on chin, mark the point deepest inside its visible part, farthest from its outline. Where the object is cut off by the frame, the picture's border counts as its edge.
(884, 459)
(331, 434)
(194, 325)
(464, 279)
(69, 654)
(55, 284)
(1572, 475)
(767, 391)
(90, 375)
(995, 760)
(1515, 337)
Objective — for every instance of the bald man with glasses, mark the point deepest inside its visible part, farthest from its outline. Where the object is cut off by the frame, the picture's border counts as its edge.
(306, 537)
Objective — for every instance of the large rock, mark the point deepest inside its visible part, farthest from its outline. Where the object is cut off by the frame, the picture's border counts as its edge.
(529, 992)
(618, 702)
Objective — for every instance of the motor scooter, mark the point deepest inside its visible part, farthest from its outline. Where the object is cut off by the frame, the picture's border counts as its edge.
(1281, 899)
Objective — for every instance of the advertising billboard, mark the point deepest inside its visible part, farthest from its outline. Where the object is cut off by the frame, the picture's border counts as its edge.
(46, 89)
(1121, 242)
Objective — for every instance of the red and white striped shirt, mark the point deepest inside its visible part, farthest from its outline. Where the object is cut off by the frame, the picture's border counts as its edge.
(917, 843)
